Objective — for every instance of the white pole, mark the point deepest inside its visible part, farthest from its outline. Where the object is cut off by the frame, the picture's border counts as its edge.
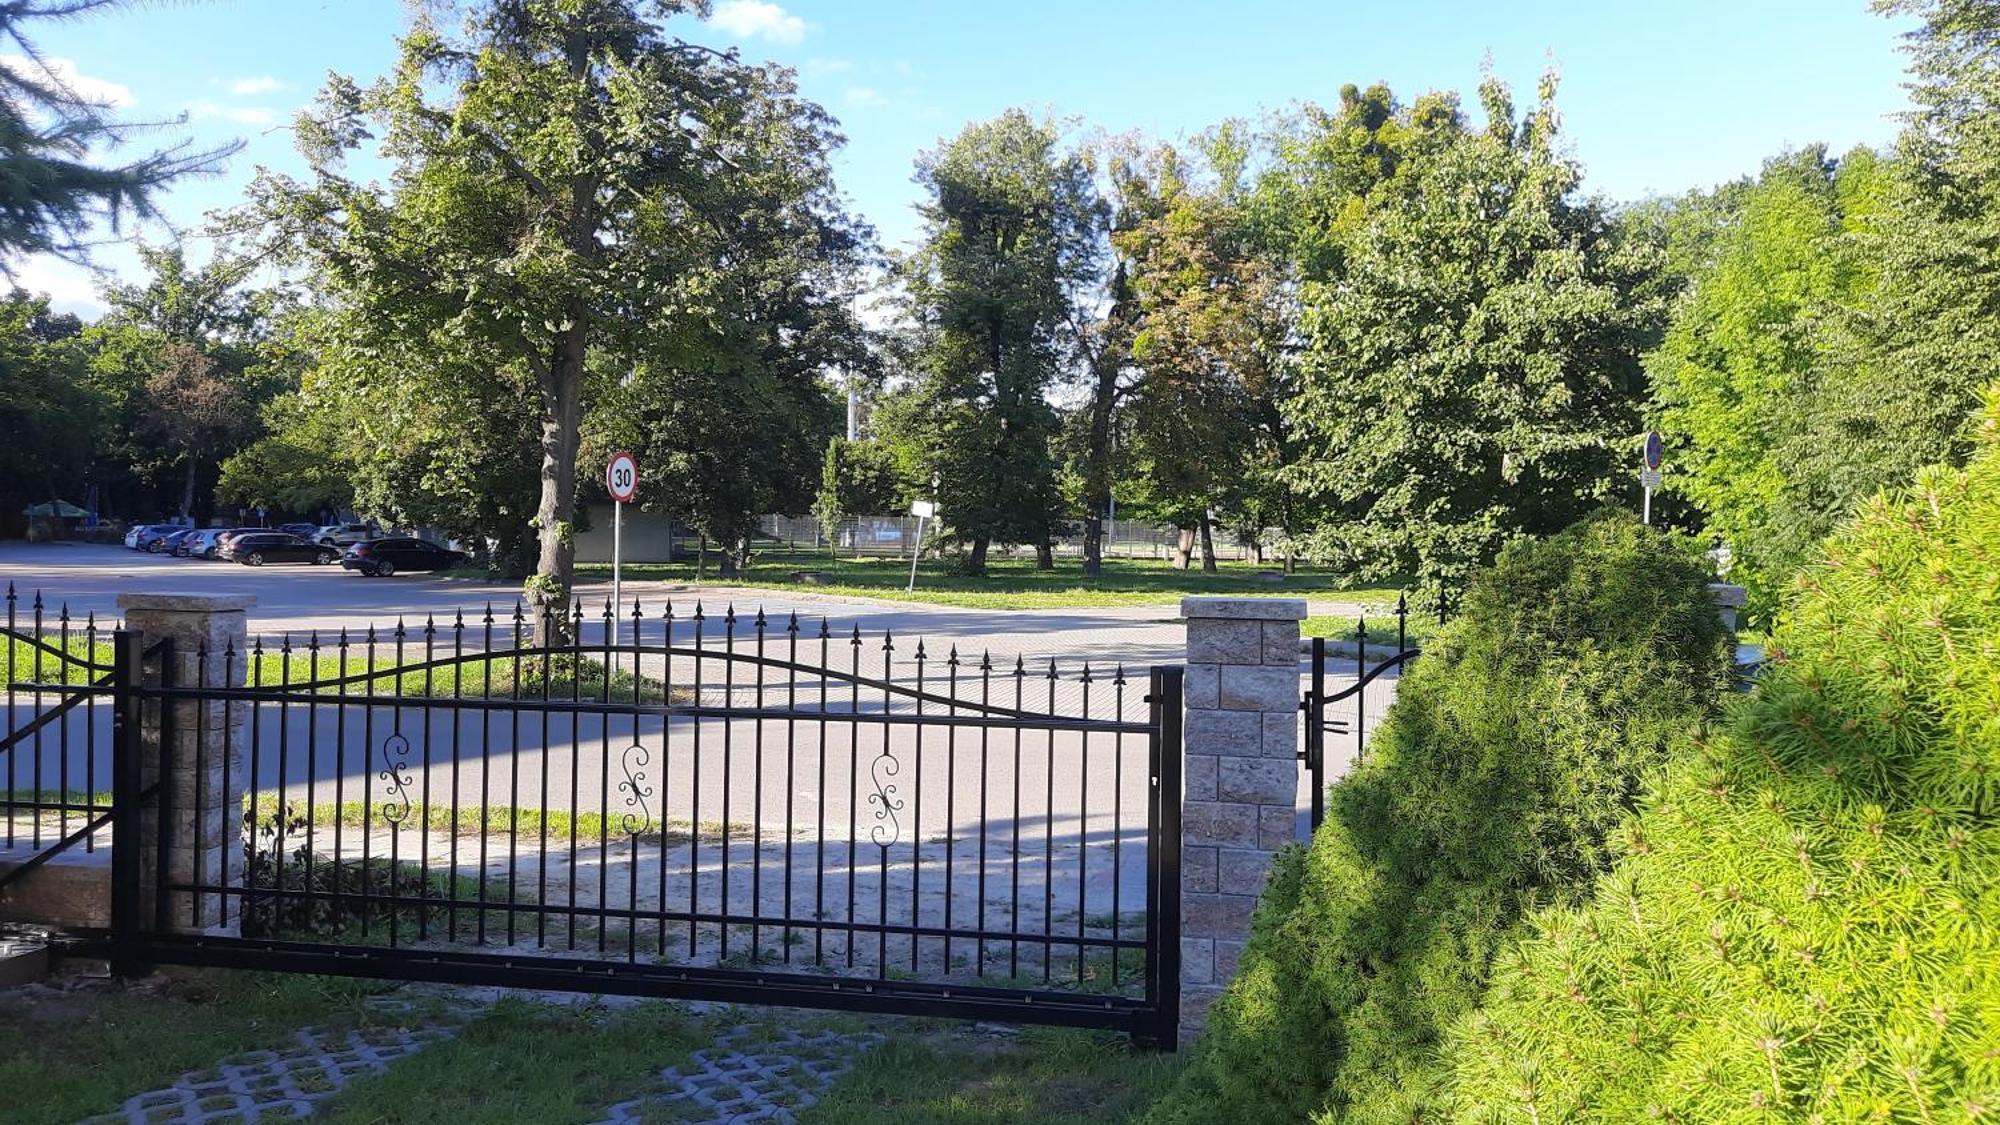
(617, 558)
(916, 550)
(1646, 512)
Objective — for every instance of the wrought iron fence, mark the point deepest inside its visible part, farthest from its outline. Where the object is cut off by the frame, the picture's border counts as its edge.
(673, 803)
(54, 799)
(1325, 713)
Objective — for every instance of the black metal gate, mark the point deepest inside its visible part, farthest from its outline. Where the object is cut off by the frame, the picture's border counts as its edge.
(1325, 716)
(701, 806)
(56, 796)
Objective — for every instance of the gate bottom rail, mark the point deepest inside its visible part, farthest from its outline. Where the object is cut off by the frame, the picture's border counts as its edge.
(1139, 1018)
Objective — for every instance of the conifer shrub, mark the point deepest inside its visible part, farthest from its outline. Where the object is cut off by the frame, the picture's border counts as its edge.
(1803, 927)
(1517, 743)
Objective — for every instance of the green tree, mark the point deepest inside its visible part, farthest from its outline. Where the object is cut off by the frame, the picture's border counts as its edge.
(54, 189)
(51, 414)
(184, 360)
(1470, 335)
(1515, 747)
(562, 201)
(1012, 240)
(859, 478)
(1746, 357)
(1210, 330)
(1801, 926)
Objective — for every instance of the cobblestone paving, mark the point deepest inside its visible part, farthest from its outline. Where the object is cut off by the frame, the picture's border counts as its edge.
(750, 1074)
(288, 1081)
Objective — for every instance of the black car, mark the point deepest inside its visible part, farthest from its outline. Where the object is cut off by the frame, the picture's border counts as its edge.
(384, 557)
(258, 548)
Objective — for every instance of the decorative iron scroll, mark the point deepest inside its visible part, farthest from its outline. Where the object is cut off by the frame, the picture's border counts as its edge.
(885, 800)
(395, 771)
(633, 761)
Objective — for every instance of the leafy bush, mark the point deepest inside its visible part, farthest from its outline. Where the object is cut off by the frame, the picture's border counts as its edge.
(1517, 743)
(1804, 926)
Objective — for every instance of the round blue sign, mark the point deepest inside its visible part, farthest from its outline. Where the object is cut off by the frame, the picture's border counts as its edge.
(1654, 449)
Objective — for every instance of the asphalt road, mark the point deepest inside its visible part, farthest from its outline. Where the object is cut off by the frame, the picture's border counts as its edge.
(501, 756)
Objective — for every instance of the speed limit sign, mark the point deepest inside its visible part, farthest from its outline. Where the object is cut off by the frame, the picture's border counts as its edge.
(621, 477)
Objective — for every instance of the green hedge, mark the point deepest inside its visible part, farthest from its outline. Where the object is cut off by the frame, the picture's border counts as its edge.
(1804, 927)
(1516, 744)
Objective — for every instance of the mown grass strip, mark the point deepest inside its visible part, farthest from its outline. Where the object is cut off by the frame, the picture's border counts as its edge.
(65, 1055)
(1016, 584)
(501, 675)
(528, 1063)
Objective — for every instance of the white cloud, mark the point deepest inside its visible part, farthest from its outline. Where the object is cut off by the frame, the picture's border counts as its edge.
(235, 114)
(64, 70)
(864, 97)
(250, 87)
(757, 19)
(822, 67)
(69, 287)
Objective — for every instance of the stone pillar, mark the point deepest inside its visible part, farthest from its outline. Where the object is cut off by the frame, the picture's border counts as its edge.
(194, 749)
(1242, 778)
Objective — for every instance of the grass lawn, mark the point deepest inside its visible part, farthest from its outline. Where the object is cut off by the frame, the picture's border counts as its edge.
(560, 677)
(71, 1052)
(528, 1062)
(1381, 629)
(1014, 583)
(66, 1055)
(1044, 1075)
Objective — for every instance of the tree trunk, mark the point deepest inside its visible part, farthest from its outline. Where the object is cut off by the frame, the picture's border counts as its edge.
(1045, 556)
(187, 487)
(1105, 366)
(1184, 549)
(1207, 545)
(562, 424)
(975, 563)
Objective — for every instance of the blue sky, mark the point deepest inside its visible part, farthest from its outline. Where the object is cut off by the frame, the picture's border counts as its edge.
(1656, 96)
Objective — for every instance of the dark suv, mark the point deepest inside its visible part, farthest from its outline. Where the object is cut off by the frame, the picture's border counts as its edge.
(259, 547)
(384, 557)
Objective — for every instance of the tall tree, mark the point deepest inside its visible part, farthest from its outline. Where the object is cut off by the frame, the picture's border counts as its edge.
(1012, 240)
(1210, 330)
(555, 203)
(54, 189)
(185, 335)
(1471, 332)
(51, 414)
(195, 411)
(1748, 354)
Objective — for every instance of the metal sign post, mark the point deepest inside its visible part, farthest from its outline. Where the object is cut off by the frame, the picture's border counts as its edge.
(621, 480)
(923, 510)
(1649, 476)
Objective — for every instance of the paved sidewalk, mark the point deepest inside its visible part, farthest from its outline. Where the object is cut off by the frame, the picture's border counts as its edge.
(751, 1074)
(287, 1081)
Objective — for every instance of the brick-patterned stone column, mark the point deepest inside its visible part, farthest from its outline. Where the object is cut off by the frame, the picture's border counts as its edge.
(1242, 778)
(184, 744)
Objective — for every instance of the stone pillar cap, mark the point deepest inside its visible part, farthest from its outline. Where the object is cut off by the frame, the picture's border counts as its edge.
(188, 602)
(1244, 609)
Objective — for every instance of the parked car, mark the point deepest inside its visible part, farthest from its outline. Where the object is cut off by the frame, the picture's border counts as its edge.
(302, 530)
(258, 548)
(142, 536)
(180, 542)
(200, 545)
(384, 557)
(343, 534)
(163, 544)
(223, 538)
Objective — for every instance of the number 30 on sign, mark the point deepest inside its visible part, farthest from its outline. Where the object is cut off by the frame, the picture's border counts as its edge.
(621, 477)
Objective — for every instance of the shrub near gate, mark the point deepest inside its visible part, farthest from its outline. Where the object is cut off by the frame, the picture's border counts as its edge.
(1805, 926)
(1515, 746)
